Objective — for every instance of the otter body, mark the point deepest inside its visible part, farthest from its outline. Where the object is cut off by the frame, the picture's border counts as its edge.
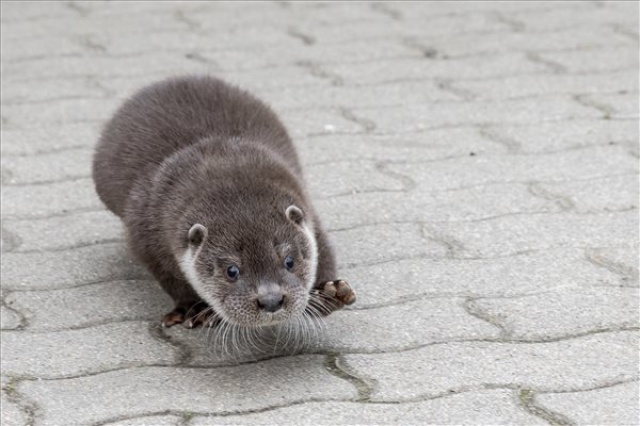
(210, 190)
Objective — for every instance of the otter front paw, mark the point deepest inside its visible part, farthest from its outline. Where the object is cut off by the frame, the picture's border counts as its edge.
(340, 291)
(194, 316)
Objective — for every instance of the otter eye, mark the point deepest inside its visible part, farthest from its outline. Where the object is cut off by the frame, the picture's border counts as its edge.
(288, 263)
(233, 272)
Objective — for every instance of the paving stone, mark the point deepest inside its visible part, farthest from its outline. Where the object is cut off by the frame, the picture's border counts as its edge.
(46, 200)
(362, 245)
(610, 193)
(511, 234)
(302, 124)
(471, 203)
(564, 135)
(500, 42)
(482, 407)
(84, 351)
(413, 118)
(47, 138)
(596, 359)
(419, 69)
(430, 145)
(622, 261)
(623, 57)
(46, 168)
(347, 178)
(150, 420)
(527, 273)
(597, 161)
(220, 390)
(558, 18)
(404, 325)
(65, 232)
(557, 313)
(9, 319)
(611, 405)
(550, 84)
(69, 268)
(91, 304)
(12, 414)
(68, 111)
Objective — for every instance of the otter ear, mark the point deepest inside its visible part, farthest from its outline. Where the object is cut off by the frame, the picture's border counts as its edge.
(197, 234)
(294, 214)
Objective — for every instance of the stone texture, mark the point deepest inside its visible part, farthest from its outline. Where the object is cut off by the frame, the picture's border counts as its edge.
(494, 407)
(221, 390)
(595, 360)
(69, 268)
(560, 312)
(476, 166)
(610, 405)
(73, 352)
(91, 304)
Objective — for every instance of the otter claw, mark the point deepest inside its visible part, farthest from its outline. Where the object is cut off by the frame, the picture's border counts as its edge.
(341, 291)
(197, 315)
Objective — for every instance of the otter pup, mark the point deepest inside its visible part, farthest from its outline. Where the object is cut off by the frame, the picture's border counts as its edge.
(209, 187)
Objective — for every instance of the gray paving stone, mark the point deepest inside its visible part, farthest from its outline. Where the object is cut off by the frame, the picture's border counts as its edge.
(65, 232)
(92, 304)
(348, 178)
(550, 84)
(471, 203)
(150, 420)
(622, 261)
(404, 325)
(12, 414)
(413, 118)
(84, 351)
(46, 200)
(302, 124)
(419, 69)
(500, 42)
(69, 268)
(69, 111)
(219, 390)
(430, 145)
(9, 318)
(550, 19)
(362, 245)
(623, 57)
(609, 193)
(46, 168)
(527, 273)
(511, 234)
(558, 313)
(482, 407)
(612, 405)
(594, 162)
(596, 359)
(47, 138)
(565, 135)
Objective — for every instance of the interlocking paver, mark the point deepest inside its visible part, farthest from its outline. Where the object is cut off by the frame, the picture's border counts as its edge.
(59, 354)
(558, 313)
(610, 405)
(475, 165)
(491, 406)
(474, 365)
(92, 304)
(220, 390)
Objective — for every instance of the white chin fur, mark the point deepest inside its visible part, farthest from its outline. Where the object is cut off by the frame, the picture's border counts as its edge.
(188, 267)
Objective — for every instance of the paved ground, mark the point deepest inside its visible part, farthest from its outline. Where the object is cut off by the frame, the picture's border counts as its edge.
(477, 165)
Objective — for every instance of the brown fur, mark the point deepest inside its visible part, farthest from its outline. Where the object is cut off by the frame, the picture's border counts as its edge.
(195, 150)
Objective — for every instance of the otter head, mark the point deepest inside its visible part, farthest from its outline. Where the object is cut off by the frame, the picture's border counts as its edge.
(253, 271)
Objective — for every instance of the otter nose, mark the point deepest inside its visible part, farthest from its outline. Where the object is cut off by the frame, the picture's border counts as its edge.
(270, 302)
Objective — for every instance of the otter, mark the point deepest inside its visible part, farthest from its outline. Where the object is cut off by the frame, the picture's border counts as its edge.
(209, 187)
